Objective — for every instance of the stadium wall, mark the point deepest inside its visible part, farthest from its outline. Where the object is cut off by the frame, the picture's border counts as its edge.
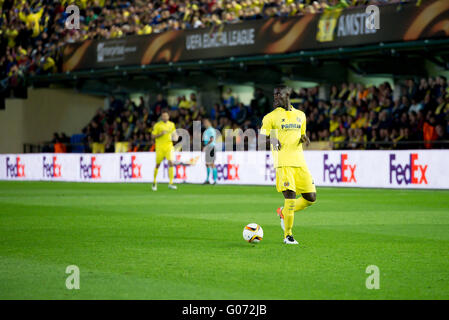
(34, 120)
(411, 169)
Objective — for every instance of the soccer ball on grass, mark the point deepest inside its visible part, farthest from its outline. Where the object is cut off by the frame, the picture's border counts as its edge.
(253, 233)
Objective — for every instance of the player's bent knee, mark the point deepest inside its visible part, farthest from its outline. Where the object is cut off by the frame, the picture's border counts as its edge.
(289, 194)
(310, 197)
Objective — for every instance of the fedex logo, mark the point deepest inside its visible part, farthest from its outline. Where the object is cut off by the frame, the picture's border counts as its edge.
(411, 172)
(15, 169)
(52, 169)
(180, 171)
(270, 171)
(228, 171)
(130, 170)
(341, 172)
(89, 170)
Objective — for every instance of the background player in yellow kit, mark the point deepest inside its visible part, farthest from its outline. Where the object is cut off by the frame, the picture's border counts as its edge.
(286, 127)
(164, 132)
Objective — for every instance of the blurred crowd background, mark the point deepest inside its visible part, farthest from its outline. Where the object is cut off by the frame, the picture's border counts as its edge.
(353, 117)
(32, 33)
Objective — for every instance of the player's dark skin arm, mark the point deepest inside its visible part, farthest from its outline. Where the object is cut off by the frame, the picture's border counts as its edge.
(273, 141)
(304, 139)
(277, 144)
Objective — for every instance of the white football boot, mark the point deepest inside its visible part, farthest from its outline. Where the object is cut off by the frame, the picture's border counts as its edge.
(154, 187)
(172, 186)
(290, 240)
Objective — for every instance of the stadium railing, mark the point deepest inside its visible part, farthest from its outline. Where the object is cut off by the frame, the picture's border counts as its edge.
(315, 145)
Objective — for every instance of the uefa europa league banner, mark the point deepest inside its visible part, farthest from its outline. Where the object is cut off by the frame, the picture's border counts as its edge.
(415, 169)
(331, 29)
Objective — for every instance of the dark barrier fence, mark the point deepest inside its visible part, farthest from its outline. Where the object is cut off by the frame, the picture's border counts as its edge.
(330, 29)
(323, 145)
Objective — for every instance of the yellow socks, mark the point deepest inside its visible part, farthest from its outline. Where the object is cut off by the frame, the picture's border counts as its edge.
(290, 206)
(155, 175)
(170, 174)
(302, 203)
(289, 216)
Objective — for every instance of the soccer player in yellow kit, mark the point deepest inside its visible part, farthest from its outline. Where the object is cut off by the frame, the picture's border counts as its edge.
(286, 127)
(164, 131)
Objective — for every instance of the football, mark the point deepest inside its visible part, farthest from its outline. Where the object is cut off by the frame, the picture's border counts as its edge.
(253, 233)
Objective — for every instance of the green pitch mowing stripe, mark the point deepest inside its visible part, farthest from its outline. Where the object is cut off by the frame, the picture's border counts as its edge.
(132, 243)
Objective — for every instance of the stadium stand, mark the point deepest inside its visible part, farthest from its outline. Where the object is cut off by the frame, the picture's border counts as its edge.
(32, 33)
(354, 117)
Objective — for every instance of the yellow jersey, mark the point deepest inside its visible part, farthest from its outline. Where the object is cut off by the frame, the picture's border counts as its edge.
(164, 141)
(287, 127)
(185, 104)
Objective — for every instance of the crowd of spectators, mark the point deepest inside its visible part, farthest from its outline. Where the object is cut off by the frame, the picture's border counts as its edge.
(373, 117)
(32, 33)
(353, 116)
(130, 122)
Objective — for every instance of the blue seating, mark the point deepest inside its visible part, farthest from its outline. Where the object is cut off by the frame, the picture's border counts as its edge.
(76, 141)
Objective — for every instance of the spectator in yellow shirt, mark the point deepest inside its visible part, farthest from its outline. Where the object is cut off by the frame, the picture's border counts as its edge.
(31, 19)
(11, 34)
(184, 104)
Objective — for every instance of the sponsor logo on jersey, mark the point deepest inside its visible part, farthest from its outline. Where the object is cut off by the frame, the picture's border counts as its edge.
(291, 126)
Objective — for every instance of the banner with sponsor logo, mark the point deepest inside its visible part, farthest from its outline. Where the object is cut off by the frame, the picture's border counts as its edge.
(419, 169)
(381, 169)
(331, 29)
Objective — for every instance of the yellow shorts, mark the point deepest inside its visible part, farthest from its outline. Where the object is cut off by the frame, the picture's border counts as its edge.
(162, 153)
(297, 179)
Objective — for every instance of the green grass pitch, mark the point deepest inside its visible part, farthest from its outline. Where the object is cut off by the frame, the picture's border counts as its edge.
(132, 243)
